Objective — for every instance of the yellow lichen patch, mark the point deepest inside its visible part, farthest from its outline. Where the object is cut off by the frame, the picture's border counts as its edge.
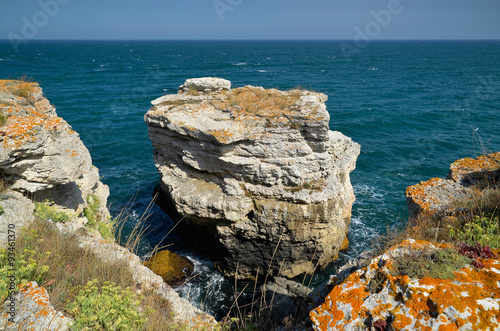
(221, 135)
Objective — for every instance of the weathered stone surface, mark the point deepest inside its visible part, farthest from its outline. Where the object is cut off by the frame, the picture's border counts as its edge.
(434, 195)
(39, 152)
(17, 213)
(470, 301)
(251, 170)
(173, 269)
(31, 310)
(205, 84)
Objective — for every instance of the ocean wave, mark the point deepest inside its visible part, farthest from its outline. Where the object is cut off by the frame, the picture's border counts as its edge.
(262, 70)
(240, 64)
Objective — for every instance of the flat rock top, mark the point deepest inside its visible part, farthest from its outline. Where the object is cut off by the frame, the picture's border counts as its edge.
(24, 112)
(243, 113)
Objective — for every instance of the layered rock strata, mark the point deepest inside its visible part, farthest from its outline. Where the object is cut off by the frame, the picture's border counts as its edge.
(465, 177)
(40, 155)
(42, 158)
(255, 175)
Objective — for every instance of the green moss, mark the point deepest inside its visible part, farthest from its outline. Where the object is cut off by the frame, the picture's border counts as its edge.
(439, 264)
(45, 212)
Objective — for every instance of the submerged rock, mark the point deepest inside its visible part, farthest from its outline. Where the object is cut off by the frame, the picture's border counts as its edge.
(255, 177)
(173, 269)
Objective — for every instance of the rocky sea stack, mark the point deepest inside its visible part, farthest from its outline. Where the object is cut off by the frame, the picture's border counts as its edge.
(255, 176)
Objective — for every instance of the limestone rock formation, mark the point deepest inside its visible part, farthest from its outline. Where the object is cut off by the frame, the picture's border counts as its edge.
(256, 176)
(40, 154)
(373, 298)
(42, 158)
(435, 194)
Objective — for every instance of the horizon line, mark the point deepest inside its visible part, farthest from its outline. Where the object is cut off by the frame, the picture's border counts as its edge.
(341, 40)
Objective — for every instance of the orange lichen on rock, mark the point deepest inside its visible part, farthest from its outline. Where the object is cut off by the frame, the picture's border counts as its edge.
(469, 301)
(434, 195)
(471, 170)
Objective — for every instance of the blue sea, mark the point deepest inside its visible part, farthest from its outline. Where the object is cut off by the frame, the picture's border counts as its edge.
(414, 106)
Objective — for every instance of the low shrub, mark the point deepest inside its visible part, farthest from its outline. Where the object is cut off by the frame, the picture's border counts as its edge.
(57, 262)
(438, 264)
(45, 212)
(105, 226)
(20, 266)
(484, 230)
(107, 306)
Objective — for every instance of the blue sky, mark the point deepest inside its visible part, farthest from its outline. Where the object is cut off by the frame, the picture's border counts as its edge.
(250, 19)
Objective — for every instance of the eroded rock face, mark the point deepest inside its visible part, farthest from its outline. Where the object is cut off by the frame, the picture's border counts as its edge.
(40, 155)
(435, 194)
(256, 176)
(470, 301)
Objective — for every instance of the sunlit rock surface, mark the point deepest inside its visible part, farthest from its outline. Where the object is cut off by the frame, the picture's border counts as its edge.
(256, 176)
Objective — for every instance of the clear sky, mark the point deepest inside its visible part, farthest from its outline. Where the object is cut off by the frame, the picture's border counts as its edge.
(249, 19)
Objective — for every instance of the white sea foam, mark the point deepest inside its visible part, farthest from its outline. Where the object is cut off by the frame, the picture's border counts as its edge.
(262, 70)
(240, 64)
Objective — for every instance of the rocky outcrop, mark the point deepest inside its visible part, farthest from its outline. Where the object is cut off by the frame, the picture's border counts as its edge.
(42, 158)
(465, 177)
(40, 154)
(374, 298)
(255, 174)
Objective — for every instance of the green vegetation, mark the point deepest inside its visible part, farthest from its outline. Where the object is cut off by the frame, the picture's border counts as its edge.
(105, 226)
(46, 212)
(484, 230)
(437, 264)
(22, 266)
(108, 307)
(3, 119)
(69, 272)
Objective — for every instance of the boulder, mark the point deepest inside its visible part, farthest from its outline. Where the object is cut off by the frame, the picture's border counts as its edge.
(205, 85)
(173, 269)
(256, 176)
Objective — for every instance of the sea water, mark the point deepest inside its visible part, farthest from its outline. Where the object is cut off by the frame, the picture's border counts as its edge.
(414, 106)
